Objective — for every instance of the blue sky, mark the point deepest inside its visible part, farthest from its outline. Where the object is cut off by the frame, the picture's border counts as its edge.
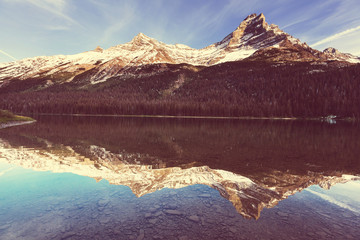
(49, 27)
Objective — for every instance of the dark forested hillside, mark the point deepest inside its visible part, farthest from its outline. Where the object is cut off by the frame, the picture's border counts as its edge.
(245, 88)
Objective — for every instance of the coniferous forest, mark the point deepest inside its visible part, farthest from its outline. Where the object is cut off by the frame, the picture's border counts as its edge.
(233, 89)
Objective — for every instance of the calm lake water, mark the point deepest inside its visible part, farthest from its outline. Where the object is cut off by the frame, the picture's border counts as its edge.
(150, 178)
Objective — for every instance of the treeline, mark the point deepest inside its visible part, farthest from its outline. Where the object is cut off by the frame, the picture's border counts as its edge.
(230, 89)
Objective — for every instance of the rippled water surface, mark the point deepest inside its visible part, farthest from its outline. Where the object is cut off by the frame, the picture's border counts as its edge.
(149, 178)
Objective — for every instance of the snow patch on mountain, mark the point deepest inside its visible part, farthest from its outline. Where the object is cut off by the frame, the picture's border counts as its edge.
(335, 54)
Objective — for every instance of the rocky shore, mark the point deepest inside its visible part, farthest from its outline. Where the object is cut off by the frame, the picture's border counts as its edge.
(8, 119)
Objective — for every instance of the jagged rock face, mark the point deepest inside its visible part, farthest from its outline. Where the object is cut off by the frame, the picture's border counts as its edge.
(334, 54)
(331, 50)
(287, 51)
(253, 37)
(254, 32)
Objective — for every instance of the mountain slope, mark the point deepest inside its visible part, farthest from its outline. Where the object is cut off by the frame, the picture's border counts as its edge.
(233, 89)
(254, 35)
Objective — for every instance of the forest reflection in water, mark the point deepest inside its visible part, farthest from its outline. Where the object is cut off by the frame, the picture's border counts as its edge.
(254, 164)
(245, 147)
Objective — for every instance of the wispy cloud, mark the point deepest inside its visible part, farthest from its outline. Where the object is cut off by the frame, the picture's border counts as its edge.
(116, 21)
(211, 19)
(336, 36)
(8, 55)
(294, 23)
(303, 17)
(55, 7)
(56, 27)
(112, 29)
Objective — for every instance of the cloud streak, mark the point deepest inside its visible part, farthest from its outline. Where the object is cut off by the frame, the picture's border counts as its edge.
(55, 7)
(116, 18)
(336, 36)
(8, 55)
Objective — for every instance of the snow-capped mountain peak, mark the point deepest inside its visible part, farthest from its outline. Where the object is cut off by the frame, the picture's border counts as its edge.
(141, 39)
(98, 49)
(254, 32)
(335, 54)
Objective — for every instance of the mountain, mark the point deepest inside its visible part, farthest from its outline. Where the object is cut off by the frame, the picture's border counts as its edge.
(334, 54)
(254, 37)
(257, 70)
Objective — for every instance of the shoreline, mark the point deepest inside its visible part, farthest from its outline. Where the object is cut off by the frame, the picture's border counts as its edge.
(323, 119)
(15, 123)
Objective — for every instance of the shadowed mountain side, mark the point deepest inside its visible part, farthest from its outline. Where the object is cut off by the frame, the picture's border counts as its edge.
(247, 88)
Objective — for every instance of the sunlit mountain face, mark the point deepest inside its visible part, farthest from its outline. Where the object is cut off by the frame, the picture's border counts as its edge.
(254, 165)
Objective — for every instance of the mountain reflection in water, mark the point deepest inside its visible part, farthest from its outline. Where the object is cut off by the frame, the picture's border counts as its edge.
(253, 164)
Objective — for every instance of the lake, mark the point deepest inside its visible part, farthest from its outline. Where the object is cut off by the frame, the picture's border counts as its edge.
(72, 177)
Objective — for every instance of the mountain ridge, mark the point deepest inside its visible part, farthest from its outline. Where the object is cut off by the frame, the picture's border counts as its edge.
(256, 71)
(254, 38)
